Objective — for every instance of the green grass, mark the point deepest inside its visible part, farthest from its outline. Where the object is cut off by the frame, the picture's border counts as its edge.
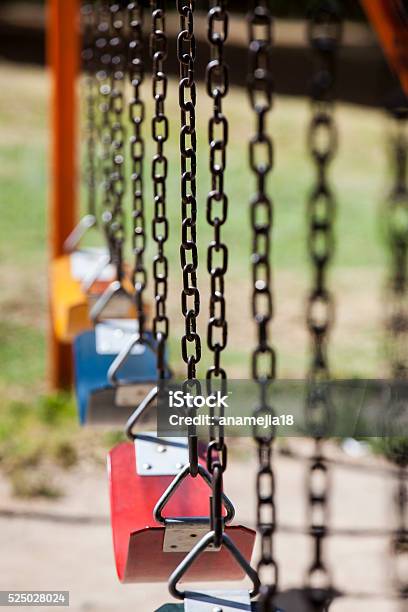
(359, 173)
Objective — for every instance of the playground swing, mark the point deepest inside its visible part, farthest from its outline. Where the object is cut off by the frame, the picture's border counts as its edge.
(80, 275)
(118, 355)
(152, 475)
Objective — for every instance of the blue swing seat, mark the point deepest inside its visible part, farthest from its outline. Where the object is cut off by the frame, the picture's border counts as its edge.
(96, 397)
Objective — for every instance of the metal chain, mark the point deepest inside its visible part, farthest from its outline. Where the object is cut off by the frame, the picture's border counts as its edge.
(190, 297)
(116, 111)
(217, 82)
(397, 226)
(400, 543)
(137, 148)
(324, 29)
(89, 23)
(260, 89)
(160, 133)
(103, 75)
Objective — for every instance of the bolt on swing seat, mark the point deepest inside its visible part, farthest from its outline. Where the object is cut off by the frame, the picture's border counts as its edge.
(148, 547)
(99, 390)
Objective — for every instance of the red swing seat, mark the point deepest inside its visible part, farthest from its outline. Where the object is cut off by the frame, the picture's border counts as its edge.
(138, 539)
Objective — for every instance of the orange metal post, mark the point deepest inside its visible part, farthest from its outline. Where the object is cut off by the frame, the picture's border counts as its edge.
(63, 52)
(390, 21)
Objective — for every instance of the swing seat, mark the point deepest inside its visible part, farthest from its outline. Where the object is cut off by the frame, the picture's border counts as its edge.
(69, 302)
(94, 352)
(139, 543)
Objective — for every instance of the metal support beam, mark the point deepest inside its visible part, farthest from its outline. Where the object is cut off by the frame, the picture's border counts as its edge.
(63, 54)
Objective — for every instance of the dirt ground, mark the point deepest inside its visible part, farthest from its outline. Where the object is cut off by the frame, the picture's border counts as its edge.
(66, 544)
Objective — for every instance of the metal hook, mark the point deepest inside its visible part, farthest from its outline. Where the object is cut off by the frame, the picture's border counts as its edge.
(174, 485)
(79, 231)
(113, 289)
(139, 411)
(91, 279)
(196, 551)
(124, 354)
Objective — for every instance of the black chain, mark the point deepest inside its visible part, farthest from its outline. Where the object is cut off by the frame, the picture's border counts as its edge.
(116, 110)
(397, 226)
(324, 29)
(137, 147)
(217, 82)
(400, 543)
(88, 21)
(160, 133)
(103, 75)
(190, 297)
(260, 89)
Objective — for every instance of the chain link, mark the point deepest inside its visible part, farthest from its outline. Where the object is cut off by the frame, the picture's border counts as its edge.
(190, 296)
(260, 89)
(324, 30)
(160, 134)
(217, 84)
(137, 149)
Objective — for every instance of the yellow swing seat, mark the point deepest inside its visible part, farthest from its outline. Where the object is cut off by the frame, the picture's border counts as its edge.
(70, 303)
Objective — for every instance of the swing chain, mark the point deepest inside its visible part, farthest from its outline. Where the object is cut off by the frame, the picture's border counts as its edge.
(324, 29)
(103, 76)
(160, 132)
(116, 108)
(260, 90)
(137, 146)
(397, 226)
(398, 245)
(190, 296)
(88, 21)
(217, 82)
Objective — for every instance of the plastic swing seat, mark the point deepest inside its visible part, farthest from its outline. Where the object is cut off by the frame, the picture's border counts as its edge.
(70, 301)
(146, 550)
(99, 402)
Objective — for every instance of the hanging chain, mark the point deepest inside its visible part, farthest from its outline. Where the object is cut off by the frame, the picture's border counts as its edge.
(217, 83)
(400, 543)
(117, 138)
(324, 36)
(103, 75)
(398, 245)
(89, 23)
(397, 226)
(160, 225)
(260, 89)
(137, 146)
(190, 297)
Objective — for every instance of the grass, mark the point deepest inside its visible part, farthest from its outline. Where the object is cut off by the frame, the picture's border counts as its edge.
(359, 175)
